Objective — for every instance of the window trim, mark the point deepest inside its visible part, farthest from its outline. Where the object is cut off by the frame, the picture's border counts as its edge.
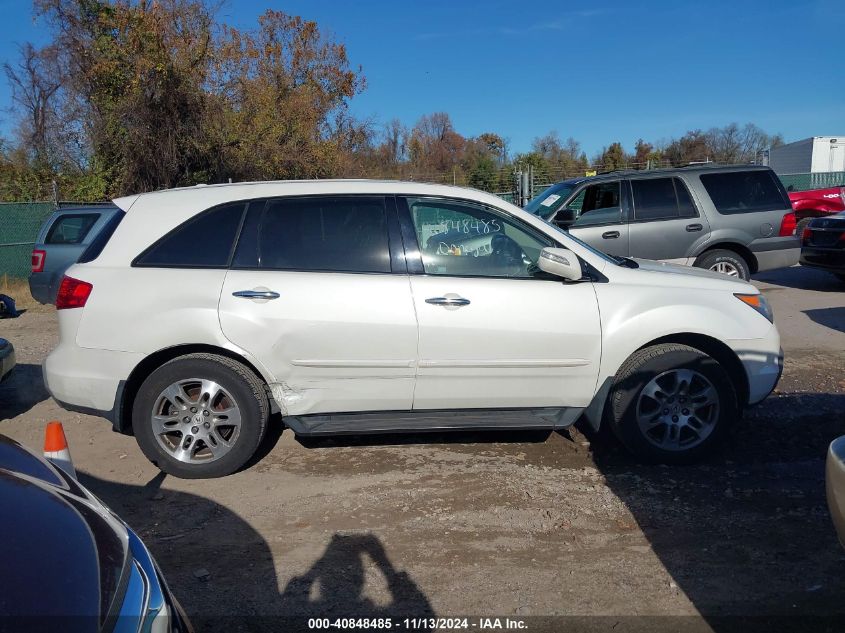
(396, 256)
(635, 220)
(64, 216)
(787, 205)
(196, 218)
(625, 204)
(413, 255)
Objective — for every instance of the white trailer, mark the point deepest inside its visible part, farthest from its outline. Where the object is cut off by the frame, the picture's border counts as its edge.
(811, 155)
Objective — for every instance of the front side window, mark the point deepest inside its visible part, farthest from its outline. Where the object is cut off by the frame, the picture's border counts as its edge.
(462, 239)
(745, 192)
(204, 241)
(71, 228)
(331, 234)
(661, 199)
(598, 204)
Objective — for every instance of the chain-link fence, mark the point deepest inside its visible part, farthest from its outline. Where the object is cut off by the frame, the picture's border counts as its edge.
(820, 180)
(19, 224)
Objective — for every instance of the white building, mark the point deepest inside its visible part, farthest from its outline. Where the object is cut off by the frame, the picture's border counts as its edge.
(811, 155)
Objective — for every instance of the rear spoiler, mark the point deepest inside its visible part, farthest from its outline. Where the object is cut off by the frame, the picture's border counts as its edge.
(125, 203)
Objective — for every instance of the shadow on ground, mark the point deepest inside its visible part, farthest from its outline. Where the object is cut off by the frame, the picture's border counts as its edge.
(746, 535)
(803, 278)
(217, 564)
(833, 318)
(21, 391)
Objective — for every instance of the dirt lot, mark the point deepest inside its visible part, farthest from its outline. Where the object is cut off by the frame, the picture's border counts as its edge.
(496, 525)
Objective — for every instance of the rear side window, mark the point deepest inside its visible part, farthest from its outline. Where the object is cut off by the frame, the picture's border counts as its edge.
(71, 228)
(744, 192)
(661, 199)
(340, 234)
(204, 241)
(102, 238)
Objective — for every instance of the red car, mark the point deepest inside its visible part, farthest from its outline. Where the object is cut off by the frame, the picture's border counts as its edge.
(816, 203)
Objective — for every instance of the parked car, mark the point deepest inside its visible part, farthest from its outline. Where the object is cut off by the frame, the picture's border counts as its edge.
(62, 240)
(7, 359)
(732, 220)
(69, 563)
(816, 203)
(823, 244)
(835, 484)
(352, 307)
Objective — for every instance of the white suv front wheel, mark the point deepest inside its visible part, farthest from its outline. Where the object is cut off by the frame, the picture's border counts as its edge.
(200, 416)
(672, 403)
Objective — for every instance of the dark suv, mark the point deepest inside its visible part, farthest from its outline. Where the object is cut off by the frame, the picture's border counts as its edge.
(733, 220)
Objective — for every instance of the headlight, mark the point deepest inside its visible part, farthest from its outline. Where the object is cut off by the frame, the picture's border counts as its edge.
(759, 303)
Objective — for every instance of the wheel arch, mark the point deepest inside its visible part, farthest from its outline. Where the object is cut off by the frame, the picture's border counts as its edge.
(740, 249)
(597, 410)
(123, 418)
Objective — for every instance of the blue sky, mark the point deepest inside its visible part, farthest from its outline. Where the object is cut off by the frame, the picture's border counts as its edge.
(597, 71)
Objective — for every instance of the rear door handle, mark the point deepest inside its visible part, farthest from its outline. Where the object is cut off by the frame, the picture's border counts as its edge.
(256, 294)
(610, 235)
(448, 301)
(691, 228)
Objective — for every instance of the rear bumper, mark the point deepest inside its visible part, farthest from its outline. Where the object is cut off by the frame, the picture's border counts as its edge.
(832, 259)
(835, 484)
(41, 289)
(88, 380)
(776, 252)
(762, 359)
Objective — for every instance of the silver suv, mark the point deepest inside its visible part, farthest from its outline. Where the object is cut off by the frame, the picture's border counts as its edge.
(733, 220)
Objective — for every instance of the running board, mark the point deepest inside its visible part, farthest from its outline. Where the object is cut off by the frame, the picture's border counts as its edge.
(431, 421)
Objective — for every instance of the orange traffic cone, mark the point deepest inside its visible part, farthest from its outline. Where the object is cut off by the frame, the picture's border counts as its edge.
(55, 448)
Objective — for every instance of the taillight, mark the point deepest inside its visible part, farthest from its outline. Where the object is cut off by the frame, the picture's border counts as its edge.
(73, 293)
(805, 234)
(38, 259)
(787, 225)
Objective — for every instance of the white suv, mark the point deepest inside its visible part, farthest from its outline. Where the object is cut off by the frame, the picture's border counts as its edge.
(364, 306)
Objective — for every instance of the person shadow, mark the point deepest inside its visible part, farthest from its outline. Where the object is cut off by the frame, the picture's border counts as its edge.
(224, 573)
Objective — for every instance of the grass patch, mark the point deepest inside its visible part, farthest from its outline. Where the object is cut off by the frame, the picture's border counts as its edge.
(18, 289)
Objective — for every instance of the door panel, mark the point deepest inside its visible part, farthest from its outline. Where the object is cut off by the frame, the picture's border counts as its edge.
(334, 342)
(666, 223)
(612, 239)
(518, 343)
(494, 331)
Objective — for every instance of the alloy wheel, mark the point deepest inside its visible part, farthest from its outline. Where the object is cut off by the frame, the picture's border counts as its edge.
(678, 409)
(196, 420)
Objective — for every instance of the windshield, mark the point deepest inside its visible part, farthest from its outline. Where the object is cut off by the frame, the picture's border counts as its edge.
(550, 200)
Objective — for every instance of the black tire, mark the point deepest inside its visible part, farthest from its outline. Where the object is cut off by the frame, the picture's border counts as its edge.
(242, 385)
(711, 258)
(638, 371)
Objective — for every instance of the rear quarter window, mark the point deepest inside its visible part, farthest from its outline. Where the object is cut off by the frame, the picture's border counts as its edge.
(71, 228)
(204, 241)
(745, 192)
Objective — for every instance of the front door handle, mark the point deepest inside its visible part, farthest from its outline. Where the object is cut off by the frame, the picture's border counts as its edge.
(610, 235)
(256, 294)
(691, 228)
(448, 301)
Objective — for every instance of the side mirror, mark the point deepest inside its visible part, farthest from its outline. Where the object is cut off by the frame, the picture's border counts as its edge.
(560, 262)
(566, 216)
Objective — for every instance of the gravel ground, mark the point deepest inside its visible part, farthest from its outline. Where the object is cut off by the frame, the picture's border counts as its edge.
(505, 524)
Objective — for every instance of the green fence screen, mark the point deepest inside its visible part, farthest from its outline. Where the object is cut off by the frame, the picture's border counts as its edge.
(19, 224)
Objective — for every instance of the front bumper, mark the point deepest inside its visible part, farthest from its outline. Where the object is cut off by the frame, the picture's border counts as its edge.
(835, 483)
(762, 359)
